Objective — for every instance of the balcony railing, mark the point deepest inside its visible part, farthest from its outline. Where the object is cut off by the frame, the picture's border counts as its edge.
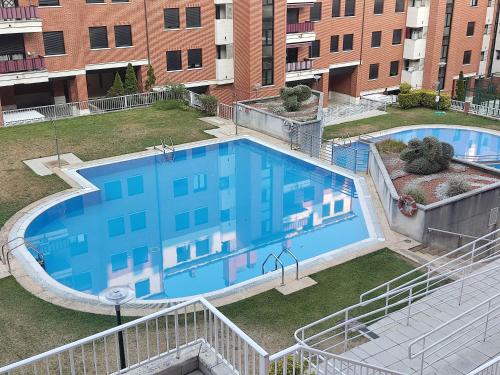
(299, 65)
(24, 65)
(18, 13)
(303, 27)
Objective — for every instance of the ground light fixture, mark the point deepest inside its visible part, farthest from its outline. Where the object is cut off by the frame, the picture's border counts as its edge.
(117, 296)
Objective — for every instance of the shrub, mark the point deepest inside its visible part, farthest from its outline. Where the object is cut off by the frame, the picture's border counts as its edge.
(286, 92)
(151, 80)
(390, 146)
(456, 186)
(427, 156)
(291, 103)
(445, 102)
(178, 90)
(460, 91)
(303, 92)
(117, 88)
(168, 105)
(276, 109)
(209, 104)
(130, 83)
(291, 368)
(410, 100)
(404, 88)
(427, 98)
(416, 193)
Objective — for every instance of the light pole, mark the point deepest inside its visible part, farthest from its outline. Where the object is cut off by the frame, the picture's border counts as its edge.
(442, 64)
(117, 296)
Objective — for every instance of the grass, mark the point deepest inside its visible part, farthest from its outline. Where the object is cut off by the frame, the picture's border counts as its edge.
(90, 137)
(271, 318)
(30, 325)
(398, 117)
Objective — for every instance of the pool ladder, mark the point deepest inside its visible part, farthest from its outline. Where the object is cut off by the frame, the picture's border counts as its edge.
(277, 260)
(168, 150)
(40, 258)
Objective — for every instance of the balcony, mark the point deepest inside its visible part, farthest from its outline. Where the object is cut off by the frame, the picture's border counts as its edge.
(300, 32)
(224, 31)
(224, 71)
(299, 70)
(300, 2)
(414, 49)
(24, 71)
(15, 20)
(417, 17)
(413, 77)
(490, 15)
(482, 68)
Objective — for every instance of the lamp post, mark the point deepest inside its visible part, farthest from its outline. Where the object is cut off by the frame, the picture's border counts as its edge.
(117, 296)
(442, 64)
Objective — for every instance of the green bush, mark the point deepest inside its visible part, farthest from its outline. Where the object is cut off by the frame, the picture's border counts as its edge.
(427, 98)
(416, 193)
(276, 109)
(286, 92)
(171, 104)
(460, 90)
(427, 156)
(457, 186)
(209, 104)
(151, 78)
(291, 103)
(291, 367)
(410, 100)
(303, 92)
(445, 102)
(178, 90)
(130, 83)
(117, 88)
(405, 88)
(390, 146)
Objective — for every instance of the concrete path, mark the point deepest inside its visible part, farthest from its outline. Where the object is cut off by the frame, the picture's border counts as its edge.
(463, 351)
(360, 116)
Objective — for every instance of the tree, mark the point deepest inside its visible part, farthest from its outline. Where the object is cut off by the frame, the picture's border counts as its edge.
(460, 91)
(117, 88)
(151, 80)
(130, 84)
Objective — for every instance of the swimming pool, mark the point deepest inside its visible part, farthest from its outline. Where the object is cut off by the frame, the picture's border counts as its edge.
(203, 222)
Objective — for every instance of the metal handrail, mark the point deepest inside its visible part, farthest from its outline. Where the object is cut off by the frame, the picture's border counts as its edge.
(294, 258)
(5, 256)
(276, 261)
(428, 267)
(489, 368)
(456, 234)
(462, 329)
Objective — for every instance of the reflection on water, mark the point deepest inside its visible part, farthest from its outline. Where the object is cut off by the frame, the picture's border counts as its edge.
(201, 223)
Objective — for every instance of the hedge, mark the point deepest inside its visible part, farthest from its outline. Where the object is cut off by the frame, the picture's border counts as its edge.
(423, 98)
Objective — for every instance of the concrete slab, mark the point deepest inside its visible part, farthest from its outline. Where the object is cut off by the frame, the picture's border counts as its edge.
(296, 285)
(361, 116)
(44, 166)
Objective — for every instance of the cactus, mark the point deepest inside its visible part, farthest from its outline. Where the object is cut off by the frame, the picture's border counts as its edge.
(427, 156)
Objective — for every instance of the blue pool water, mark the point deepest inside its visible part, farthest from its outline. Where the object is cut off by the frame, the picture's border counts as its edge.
(203, 222)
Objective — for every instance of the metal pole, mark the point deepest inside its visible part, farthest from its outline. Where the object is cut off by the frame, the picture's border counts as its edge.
(56, 138)
(123, 363)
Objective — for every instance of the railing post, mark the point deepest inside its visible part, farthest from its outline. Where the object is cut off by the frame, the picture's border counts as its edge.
(423, 356)
(176, 328)
(409, 307)
(346, 319)
(263, 365)
(487, 321)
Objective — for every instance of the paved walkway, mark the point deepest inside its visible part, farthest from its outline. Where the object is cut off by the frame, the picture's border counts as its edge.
(463, 352)
(359, 116)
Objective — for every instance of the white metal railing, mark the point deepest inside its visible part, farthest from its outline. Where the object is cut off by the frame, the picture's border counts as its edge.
(146, 339)
(476, 109)
(93, 106)
(491, 367)
(476, 324)
(225, 111)
(466, 254)
(337, 331)
(457, 105)
(301, 360)
(337, 112)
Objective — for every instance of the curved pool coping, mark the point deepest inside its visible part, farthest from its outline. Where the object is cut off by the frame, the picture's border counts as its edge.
(54, 291)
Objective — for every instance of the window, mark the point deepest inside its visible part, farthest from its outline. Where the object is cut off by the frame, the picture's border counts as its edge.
(98, 37)
(94, 1)
(336, 8)
(373, 73)
(54, 43)
(123, 36)
(400, 6)
(394, 69)
(376, 39)
(470, 28)
(347, 44)
(467, 57)
(473, 3)
(48, 3)
(314, 49)
(193, 17)
(194, 58)
(334, 43)
(378, 7)
(483, 55)
(119, 1)
(171, 18)
(315, 14)
(174, 61)
(396, 36)
(267, 42)
(350, 8)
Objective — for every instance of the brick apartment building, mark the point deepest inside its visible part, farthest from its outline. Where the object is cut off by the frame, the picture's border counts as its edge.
(57, 51)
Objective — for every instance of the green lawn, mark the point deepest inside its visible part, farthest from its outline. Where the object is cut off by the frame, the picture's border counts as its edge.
(29, 325)
(89, 137)
(398, 117)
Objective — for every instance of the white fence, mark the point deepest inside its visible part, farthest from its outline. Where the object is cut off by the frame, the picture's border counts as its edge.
(225, 111)
(338, 112)
(476, 109)
(93, 106)
(489, 368)
(166, 332)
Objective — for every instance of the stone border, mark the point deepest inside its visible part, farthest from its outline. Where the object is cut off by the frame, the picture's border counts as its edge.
(33, 278)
